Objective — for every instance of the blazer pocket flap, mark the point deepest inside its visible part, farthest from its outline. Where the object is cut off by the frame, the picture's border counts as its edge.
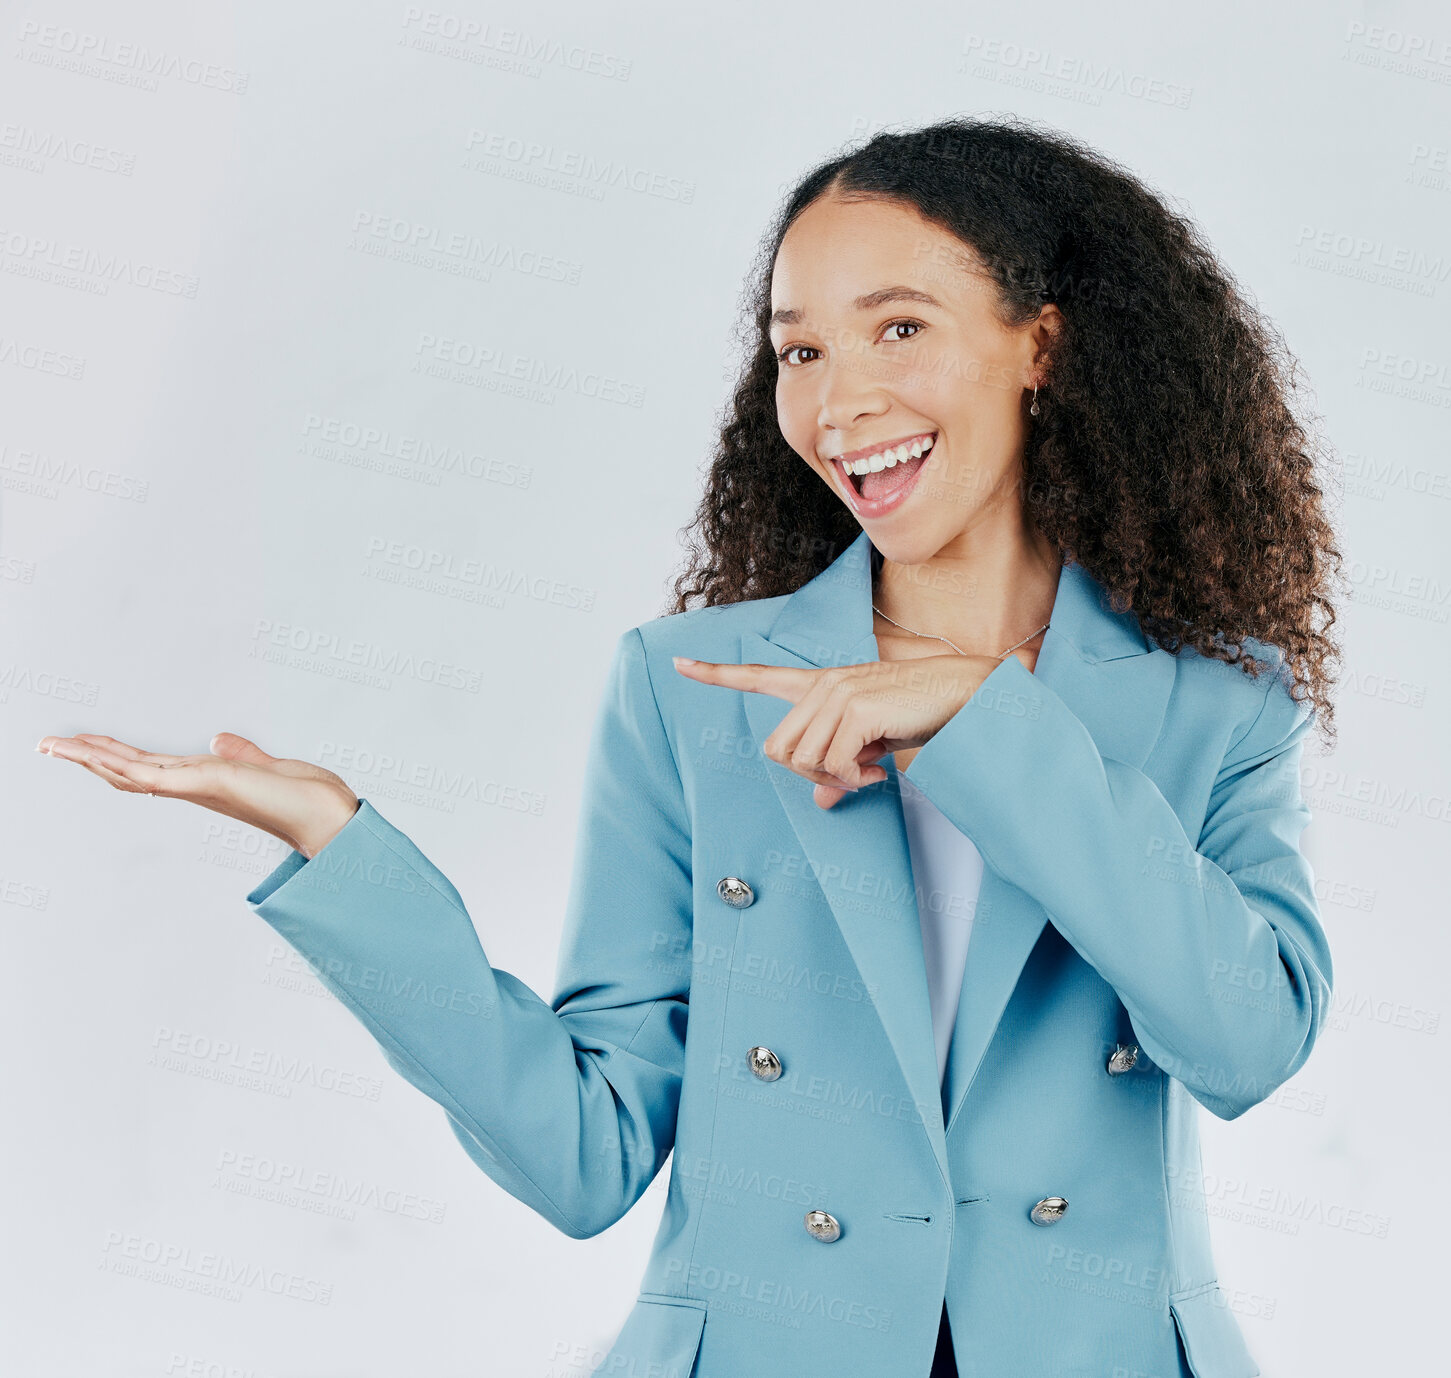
(660, 1337)
(1211, 1336)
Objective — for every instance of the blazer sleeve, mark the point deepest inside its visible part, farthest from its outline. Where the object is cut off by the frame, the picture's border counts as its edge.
(569, 1106)
(1214, 944)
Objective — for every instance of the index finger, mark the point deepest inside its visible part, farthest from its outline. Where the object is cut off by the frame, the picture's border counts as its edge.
(787, 682)
(128, 773)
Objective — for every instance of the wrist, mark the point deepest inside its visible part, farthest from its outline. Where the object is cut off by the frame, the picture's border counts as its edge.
(321, 830)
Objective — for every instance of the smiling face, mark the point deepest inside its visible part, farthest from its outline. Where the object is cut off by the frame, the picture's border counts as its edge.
(890, 355)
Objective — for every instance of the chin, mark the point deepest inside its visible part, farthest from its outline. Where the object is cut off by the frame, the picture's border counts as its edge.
(910, 546)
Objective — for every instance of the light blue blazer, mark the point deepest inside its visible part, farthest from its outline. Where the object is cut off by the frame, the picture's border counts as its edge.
(741, 979)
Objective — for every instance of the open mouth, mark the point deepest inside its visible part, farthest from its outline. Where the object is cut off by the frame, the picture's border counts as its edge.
(886, 477)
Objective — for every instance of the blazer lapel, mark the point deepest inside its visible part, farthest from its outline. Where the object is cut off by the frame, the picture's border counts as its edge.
(1094, 659)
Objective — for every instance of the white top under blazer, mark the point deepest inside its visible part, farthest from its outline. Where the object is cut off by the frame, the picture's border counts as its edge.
(947, 875)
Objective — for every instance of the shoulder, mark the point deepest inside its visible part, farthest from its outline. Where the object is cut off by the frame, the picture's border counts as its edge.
(1251, 712)
(643, 653)
(707, 633)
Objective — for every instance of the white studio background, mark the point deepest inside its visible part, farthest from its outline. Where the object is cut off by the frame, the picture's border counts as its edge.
(221, 363)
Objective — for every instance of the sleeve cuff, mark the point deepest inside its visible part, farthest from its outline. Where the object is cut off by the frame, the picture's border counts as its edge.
(295, 861)
(981, 739)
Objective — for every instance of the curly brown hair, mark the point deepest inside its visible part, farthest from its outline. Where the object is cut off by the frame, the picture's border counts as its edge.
(1166, 459)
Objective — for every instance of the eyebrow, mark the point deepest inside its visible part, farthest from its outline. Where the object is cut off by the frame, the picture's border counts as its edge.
(789, 315)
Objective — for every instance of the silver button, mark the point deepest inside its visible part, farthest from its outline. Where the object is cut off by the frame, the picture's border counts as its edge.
(1048, 1211)
(735, 892)
(1124, 1057)
(764, 1063)
(820, 1225)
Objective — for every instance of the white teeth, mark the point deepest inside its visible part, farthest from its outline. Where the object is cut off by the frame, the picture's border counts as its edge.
(887, 459)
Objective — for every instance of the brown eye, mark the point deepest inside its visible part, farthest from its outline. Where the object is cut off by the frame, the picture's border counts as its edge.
(893, 325)
(782, 355)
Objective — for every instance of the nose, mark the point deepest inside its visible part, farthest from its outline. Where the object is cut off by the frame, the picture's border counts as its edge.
(848, 396)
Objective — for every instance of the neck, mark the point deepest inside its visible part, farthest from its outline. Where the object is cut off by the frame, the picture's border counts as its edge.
(981, 595)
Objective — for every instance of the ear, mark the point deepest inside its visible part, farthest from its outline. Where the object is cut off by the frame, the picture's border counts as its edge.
(1041, 335)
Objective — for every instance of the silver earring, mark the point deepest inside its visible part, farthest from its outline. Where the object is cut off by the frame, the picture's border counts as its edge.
(1033, 410)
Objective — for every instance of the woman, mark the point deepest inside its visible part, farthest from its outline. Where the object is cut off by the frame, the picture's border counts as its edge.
(1010, 571)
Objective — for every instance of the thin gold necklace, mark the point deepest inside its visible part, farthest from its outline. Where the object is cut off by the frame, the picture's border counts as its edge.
(931, 637)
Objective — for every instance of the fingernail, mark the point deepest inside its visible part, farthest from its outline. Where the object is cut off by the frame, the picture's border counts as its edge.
(40, 747)
(683, 660)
